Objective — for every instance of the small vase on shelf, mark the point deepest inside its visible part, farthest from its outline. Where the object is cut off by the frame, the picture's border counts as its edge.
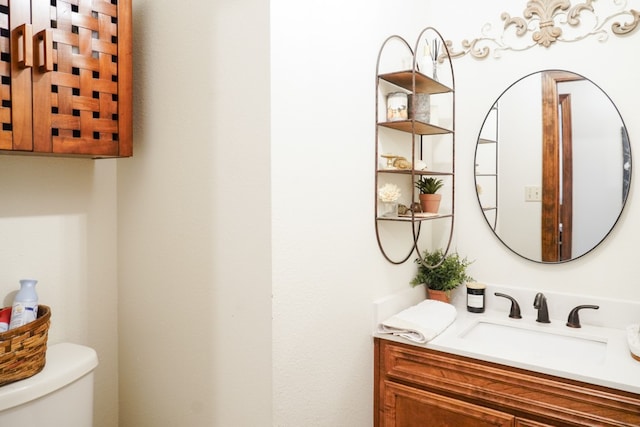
(388, 196)
(435, 53)
(388, 209)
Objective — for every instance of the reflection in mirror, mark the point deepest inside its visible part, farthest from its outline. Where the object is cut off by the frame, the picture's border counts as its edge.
(552, 166)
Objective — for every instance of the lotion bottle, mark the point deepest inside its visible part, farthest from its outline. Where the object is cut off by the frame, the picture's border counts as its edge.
(25, 304)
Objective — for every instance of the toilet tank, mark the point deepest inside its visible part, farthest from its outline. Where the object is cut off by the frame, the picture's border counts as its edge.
(61, 395)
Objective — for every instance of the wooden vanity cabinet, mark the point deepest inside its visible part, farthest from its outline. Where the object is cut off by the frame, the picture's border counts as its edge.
(66, 77)
(415, 386)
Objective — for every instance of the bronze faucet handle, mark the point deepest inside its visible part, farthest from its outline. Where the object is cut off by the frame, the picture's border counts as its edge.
(574, 319)
(514, 313)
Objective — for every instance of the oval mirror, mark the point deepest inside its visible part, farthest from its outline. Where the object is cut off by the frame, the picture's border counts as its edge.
(552, 166)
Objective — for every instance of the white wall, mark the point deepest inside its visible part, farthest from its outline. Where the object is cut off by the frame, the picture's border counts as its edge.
(194, 219)
(58, 225)
(327, 268)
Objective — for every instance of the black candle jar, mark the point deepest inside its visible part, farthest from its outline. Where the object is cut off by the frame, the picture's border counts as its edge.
(475, 297)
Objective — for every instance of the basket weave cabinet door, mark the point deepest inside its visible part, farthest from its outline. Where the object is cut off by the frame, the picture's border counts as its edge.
(15, 74)
(81, 76)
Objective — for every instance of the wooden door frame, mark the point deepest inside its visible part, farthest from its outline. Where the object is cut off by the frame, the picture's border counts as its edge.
(551, 212)
(566, 201)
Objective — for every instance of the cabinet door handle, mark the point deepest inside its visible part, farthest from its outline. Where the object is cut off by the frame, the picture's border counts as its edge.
(43, 42)
(23, 48)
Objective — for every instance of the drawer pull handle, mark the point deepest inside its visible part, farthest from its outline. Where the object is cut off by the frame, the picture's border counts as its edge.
(44, 50)
(23, 48)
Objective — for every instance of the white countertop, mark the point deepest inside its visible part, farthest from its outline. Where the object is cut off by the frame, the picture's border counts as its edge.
(616, 370)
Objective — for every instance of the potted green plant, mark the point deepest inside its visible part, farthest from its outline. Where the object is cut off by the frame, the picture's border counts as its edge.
(428, 186)
(441, 273)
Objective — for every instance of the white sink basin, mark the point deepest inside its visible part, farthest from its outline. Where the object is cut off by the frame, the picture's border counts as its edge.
(537, 341)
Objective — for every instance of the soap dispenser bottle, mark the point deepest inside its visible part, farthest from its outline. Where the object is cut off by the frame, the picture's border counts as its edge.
(25, 304)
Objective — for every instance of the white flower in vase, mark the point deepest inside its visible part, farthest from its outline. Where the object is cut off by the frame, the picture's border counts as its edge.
(389, 193)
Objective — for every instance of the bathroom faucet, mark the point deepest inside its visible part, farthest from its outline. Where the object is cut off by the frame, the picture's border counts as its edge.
(540, 303)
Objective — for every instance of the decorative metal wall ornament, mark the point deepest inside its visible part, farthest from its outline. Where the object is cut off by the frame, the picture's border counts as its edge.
(551, 21)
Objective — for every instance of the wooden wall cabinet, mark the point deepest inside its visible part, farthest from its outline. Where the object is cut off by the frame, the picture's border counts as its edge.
(66, 77)
(415, 386)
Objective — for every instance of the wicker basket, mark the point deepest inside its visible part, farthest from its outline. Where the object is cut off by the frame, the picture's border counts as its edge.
(23, 349)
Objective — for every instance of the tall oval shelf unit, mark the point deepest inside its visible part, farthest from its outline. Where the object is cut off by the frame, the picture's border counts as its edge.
(415, 139)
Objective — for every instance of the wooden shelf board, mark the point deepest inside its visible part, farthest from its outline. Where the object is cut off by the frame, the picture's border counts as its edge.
(405, 218)
(424, 84)
(415, 172)
(420, 128)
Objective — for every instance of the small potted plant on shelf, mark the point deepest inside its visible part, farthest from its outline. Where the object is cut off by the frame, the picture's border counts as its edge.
(441, 273)
(428, 186)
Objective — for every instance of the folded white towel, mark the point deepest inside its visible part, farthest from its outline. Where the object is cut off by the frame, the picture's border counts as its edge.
(420, 323)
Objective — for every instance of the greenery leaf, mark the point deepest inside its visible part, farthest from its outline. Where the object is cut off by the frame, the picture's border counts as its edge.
(429, 185)
(448, 273)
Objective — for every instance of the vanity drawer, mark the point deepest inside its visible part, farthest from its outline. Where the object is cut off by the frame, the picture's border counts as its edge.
(523, 393)
(408, 406)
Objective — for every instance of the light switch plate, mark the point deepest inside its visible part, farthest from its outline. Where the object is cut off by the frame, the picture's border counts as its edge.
(532, 193)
